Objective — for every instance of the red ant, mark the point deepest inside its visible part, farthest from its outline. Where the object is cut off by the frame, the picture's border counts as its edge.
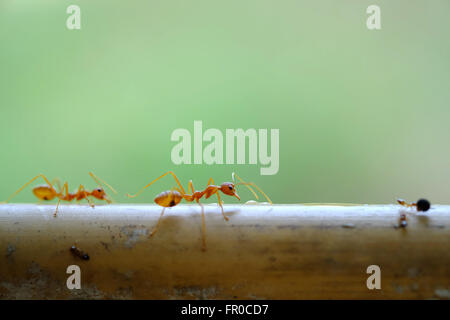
(47, 192)
(173, 197)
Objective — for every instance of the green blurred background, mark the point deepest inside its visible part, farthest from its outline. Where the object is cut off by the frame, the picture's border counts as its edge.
(363, 115)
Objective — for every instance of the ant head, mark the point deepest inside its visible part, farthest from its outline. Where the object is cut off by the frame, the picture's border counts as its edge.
(229, 189)
(100, 194)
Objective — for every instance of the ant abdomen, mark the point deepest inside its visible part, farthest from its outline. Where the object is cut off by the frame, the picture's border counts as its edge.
(44, 192)
(168, 198)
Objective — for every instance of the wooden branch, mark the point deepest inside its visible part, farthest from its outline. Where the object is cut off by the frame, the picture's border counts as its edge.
(263, 252)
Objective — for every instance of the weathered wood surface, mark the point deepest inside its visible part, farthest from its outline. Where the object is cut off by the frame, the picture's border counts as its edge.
(263, 252)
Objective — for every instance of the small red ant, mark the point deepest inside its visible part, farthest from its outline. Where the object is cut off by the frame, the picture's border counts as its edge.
(47, 192)
(173, 197)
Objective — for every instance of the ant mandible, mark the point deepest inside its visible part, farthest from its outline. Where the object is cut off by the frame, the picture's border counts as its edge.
(48, 192)
(173, 197)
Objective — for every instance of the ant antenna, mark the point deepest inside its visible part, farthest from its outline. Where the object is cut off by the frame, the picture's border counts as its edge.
(248, 184)
(174, 176)
(233, 175)
(98, 180)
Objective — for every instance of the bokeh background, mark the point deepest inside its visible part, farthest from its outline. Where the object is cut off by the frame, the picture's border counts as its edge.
(364, 116)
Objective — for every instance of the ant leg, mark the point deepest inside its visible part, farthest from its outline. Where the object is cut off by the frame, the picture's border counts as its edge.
(82, 191)
(203, 227)
(90, 202)
(191, 187)
(221, 207)
(220, 201)
(174, 176)
(26, 184)
(157, 225)
(57, 206)
(57, 181)
(59, 198)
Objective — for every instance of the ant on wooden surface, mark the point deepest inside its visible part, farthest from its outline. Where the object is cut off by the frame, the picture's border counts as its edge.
(173, 197)
(48, 192)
